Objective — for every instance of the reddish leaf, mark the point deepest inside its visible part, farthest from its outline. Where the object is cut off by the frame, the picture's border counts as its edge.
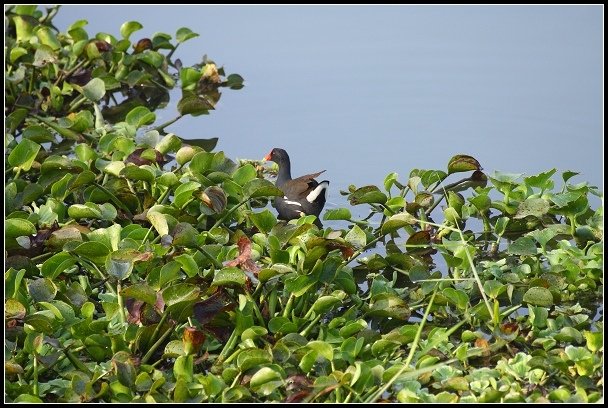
(346, 249)
(206, 310)
(136, 158)
(103, 46)
(160, 303)
(134, 309)
(297, 396)
(193, 339)
(142, 45)
(244, 258)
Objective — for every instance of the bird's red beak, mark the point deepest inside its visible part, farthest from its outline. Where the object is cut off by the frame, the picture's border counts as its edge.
(267, 157)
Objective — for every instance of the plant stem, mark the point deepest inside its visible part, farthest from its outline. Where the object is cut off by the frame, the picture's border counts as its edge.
(228, 347)
(159, 325)
(288, 306)
(94, 267)
(76, 103)
(162, 127)
(143, 241)
(312, 324)
(114, 200)
(365, 248)
(121, 304)
(256, 310)
(35, 388)
(156, 345)
(228, 214)
(214, 261)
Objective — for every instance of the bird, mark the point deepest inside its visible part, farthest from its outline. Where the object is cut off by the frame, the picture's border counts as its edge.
(301, 196)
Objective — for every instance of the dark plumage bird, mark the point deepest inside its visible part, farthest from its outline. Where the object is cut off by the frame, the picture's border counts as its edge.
(302, 196)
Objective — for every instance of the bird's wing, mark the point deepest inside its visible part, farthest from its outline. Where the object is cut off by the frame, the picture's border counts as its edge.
(299, 187)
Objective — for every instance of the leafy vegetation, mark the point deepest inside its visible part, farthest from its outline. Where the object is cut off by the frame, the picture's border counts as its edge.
(144, 267)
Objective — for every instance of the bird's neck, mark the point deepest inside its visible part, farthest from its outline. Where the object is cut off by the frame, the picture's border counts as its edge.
(284, 173)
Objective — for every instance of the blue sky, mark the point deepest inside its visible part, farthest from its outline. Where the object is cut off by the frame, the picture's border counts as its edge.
(363, 91)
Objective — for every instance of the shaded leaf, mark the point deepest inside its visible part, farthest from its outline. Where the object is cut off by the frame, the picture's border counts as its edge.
(462, 162)
(538, 296)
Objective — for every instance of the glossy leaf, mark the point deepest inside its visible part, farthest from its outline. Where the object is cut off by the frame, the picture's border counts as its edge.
(23, 155)
(230, 277)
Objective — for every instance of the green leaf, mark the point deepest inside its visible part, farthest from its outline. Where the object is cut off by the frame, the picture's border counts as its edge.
(38, 134)
(24, 154)
(542, 180)
(501, 226)
(55, 265)
(194, 105)
(17, 227)
(522, 246)
(47, 37)
(182, 292)
(264, 220)
(244, 174)
(397, 221)
(169, 143)
(235, 81)
(536, 207)
(325, 303)
(95, 251)
(42, 290)
(457, 297)
(322, 348)
(337, 214)
(230, 276)
(481, 202)
(24, 26)
(367, 194)
(493, 288)
(13, 309)
(280, 324)
(356, 236)
(389, 305)
(120, 264)
(261, 188)
(104, 211)
(543, 236)
(129, 28)
(140, 291)
(462, 162)
(28, 398)
(300, 284)
(266, 380)
(252, 357)
(134, 172)
(159, 222)
(184, 34)
(206, 144)
(188, 264)
(538, 296)
(595, 340)
(17, 53)
(43, 56)
(94, 90)
(140, 116)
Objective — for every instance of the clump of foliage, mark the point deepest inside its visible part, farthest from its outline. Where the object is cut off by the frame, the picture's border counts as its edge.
(144, 267)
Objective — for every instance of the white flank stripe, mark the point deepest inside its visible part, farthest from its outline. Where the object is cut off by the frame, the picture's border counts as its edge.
(312, 196)
(293, 203)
